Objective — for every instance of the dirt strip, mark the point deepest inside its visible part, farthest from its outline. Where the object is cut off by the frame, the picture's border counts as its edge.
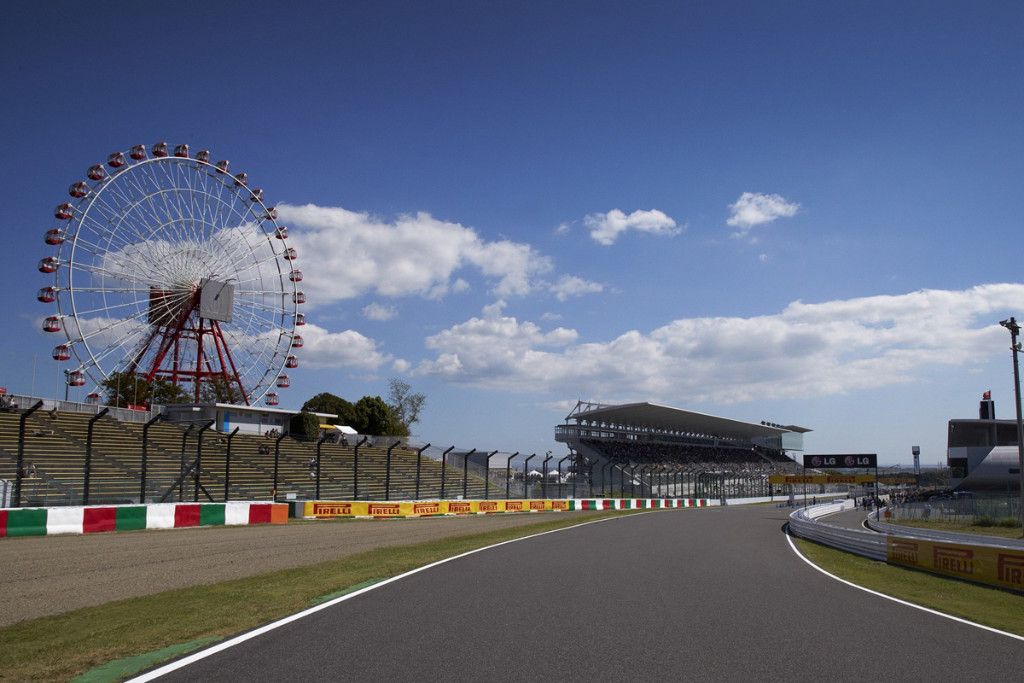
(53, 574)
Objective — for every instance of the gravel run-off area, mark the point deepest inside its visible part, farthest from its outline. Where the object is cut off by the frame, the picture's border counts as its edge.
(53, 574)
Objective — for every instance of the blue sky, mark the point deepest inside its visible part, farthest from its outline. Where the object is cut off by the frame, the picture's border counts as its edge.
(800, 212)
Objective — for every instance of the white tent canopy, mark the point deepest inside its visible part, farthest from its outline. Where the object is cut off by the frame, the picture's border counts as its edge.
(345, 429)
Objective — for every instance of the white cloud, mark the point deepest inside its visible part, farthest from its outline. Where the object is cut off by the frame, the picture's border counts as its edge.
(570, 286)
(550, 316)
(494, 310)
(563, 228)
(492, 346)
(412, 255)
(753, 209)
(379, 312)
(605, 228)
(763, 258)
(401, 365)
(348, 349)
(806, 350)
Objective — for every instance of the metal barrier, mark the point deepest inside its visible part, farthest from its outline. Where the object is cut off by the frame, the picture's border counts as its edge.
(805, 524)
(960, 508)
(49, 404)
(943, 536)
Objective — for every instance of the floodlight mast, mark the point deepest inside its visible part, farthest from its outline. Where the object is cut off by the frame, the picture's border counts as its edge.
(1015, 346)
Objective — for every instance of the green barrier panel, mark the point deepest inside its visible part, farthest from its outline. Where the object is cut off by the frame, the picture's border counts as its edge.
(211, 515)
(130, 518)
(26, 522)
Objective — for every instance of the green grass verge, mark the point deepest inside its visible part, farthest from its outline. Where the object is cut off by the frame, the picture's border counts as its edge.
(962, 527)
(61, 646)
(989, 606)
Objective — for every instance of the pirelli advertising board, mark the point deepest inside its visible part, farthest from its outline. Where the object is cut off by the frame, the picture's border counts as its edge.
(323, 509)
(821, 479)
(1000, 567)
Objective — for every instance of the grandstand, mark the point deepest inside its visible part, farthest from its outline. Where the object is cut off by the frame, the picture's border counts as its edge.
(638, 444)
(76, 453)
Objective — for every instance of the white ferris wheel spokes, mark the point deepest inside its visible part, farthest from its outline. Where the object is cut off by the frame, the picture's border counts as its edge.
(171, 267)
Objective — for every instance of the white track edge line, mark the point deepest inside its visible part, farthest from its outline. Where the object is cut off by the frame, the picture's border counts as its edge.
(237, 640)
(799, 554)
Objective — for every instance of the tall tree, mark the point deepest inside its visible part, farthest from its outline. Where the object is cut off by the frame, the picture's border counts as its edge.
(126, 388)
(373, 416)
(405, 404)
(217, 390)
(326, 402)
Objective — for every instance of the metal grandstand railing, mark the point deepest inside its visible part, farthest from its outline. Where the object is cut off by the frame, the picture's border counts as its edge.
(56, 405)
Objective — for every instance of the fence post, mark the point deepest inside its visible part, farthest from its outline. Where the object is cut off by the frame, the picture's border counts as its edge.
(227, 465)
(590, 478)
(387, 472)
(604, 477)
(355, 471)
(419, 461)
(87, 474)
(181, 473)
(145, 456)
(544, 476)
(19, 475)
(199, 459)
(277, 463)
(487, 475)
(526, 477)
(632, 482)
(508, 474)
(465, 474)
(560, 486)
(444, 469)
(319, 442)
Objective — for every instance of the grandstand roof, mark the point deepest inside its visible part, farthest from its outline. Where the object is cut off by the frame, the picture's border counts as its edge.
(666, 417)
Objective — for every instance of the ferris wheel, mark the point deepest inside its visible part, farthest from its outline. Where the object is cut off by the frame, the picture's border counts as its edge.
(171, 267)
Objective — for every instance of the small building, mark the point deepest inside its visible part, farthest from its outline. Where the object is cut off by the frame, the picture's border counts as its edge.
(227, 416)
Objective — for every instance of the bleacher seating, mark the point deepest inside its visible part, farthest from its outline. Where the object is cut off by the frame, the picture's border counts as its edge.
(56, 445)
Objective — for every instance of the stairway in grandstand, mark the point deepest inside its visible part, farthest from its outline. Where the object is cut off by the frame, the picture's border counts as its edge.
(56, 445)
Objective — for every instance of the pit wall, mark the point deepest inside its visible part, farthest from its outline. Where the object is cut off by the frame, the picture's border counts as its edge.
(325, 509)
(98, 518)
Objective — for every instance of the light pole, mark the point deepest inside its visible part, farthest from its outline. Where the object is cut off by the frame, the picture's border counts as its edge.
(1014, 328)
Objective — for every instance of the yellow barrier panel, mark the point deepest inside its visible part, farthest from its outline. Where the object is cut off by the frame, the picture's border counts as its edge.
(323, 509)
(460, 507)
(821, 479)
(993, 566)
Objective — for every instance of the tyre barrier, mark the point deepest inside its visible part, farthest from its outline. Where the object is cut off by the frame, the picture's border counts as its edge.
(99, 518)
(326, 509)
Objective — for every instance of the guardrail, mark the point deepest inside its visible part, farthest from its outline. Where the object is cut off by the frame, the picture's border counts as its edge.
(805, 524)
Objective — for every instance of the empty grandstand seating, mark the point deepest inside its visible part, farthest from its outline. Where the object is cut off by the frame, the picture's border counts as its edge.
(56, 447)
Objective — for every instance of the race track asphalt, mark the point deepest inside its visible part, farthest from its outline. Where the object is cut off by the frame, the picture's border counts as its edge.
(712, 594)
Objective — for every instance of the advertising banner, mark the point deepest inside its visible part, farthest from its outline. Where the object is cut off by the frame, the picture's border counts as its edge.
(460, 507)
(842, 461)
(821, 479)
(323, 509)
(994, 566)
